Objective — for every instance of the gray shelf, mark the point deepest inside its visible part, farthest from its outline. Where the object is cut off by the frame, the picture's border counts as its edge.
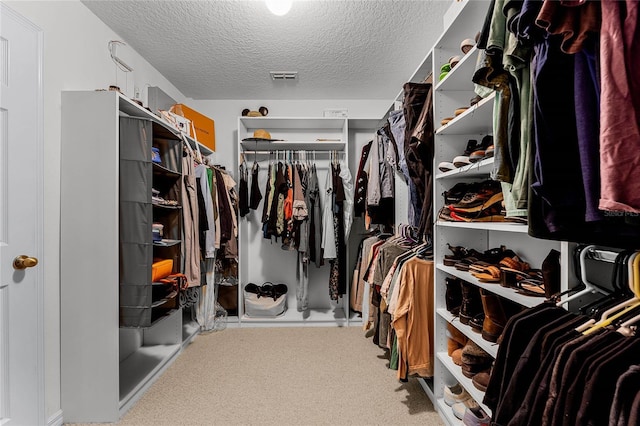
(132, 109)
(478, 119)
(496, 288)
(141, 367)
(490, 348)
(446, 413)
(323, 145)
(479, 169)
(117, 364)
(487, 226)
(464, 381)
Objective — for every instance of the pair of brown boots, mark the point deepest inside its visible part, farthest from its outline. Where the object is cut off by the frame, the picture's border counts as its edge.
(483, 311)
(474, 361)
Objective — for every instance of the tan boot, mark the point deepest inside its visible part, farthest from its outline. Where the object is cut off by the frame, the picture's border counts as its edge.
(494, 316)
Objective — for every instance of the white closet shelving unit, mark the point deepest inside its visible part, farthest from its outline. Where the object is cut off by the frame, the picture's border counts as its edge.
(104, 368)
(261, 260)
(453, 91)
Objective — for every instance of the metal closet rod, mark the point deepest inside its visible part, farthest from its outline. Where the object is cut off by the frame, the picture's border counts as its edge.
(282, 151)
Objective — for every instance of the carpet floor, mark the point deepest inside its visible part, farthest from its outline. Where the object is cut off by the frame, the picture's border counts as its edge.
(282, 376)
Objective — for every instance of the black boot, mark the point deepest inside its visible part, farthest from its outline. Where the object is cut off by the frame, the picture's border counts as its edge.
(551, 273)
(453, 295)
(471, 302)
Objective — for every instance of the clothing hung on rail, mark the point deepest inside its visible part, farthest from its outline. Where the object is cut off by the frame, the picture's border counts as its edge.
(565, 119)
(315, 222)
(548, 373)
(402, 148)
(398, 274)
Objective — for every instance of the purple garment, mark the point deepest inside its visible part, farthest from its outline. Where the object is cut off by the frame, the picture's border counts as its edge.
(620, 106)
(587, 101)
(557, 169)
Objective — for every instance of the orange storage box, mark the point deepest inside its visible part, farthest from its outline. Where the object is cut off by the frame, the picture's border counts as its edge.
(161, 269)
(205, 127)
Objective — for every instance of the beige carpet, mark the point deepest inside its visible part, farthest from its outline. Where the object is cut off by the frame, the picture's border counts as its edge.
(283, 376)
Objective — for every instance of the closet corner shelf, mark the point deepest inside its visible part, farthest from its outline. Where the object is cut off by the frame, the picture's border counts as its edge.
(189, 331)
(477, 119)
(133, 109)
(166, 243)
(159, 169)
(459, 78)
(166, 206)
(140, 367)
(496, 288)
(481, 168)
(486, 226)
(447, 413)
(490, 348)
(465, 382)
(164, 300)
(271, 123)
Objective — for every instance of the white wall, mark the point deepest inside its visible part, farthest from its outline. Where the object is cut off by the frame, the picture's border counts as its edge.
(75, 58)
(225, 115)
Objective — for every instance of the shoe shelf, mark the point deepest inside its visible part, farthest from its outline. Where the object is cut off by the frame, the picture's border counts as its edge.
(496, 288)
(459, 78)
(141, 368)
(479, 169)
(490, 348)
(487, 226)
(464, 381)
(446, 413)
(478, 119)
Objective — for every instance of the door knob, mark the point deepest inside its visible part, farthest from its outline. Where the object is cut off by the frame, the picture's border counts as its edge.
(24, 262)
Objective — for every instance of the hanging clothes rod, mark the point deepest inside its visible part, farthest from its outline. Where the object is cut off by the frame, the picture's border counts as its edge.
(250, 151)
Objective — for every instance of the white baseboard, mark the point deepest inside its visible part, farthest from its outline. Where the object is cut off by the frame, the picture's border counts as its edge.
(56, 419)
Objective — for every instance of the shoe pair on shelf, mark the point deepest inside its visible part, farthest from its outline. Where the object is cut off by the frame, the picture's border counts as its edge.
(544, 282)
(473, 153)
(503, 266)
(462, 258)
(485, 312)
(464, 407)
(473, 202)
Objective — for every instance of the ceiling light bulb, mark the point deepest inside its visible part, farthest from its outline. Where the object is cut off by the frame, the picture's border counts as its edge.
(279, 7)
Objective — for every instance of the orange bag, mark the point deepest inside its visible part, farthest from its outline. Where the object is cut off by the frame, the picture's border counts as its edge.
(161, 269)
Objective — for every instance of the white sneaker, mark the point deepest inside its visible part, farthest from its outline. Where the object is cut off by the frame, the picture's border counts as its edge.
(459, 408)
(455, 394)
(446, 166)
(461, 161)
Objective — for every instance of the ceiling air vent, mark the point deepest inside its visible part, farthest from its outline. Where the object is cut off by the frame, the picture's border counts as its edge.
(284, 75)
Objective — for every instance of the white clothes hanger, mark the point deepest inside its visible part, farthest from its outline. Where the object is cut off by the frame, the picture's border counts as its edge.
(589, 287)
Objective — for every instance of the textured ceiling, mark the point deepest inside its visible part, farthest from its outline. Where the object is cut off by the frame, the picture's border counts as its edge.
(225, 49)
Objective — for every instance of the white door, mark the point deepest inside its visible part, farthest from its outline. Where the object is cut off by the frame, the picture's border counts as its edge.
(21, 194)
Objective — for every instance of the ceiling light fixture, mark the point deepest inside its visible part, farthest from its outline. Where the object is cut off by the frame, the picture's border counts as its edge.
(279, 7)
